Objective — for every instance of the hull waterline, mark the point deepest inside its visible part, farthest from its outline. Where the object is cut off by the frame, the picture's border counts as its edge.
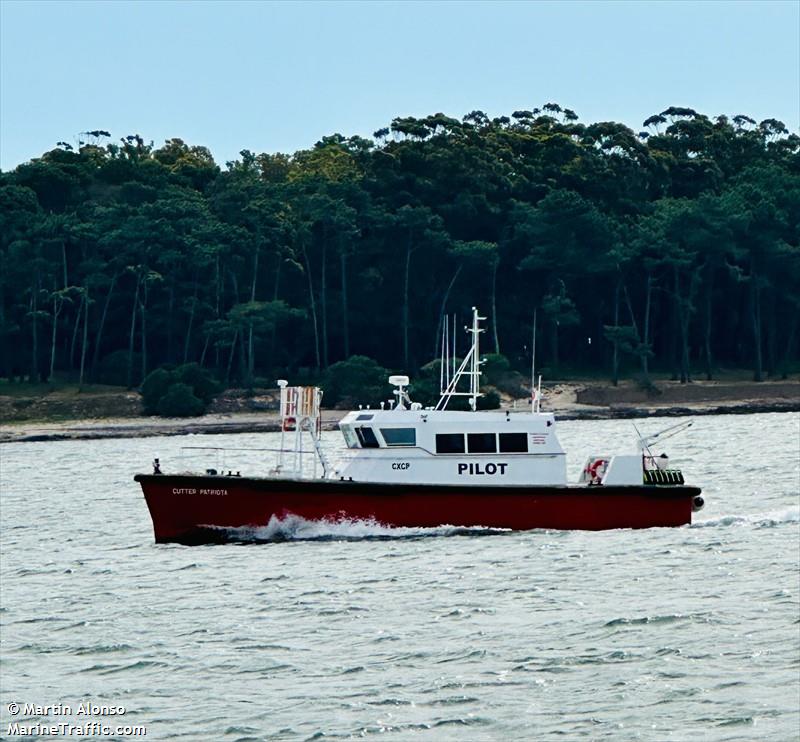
(199, 509)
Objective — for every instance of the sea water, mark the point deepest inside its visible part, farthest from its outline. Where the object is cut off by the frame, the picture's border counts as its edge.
(339, 631)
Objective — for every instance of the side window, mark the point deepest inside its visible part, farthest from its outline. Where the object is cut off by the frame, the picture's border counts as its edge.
(481, 443)
(367, 438)
(399, 436)
(449, 443)
(513, 443)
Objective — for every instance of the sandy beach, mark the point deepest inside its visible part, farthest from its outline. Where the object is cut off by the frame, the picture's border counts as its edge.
(569, 401)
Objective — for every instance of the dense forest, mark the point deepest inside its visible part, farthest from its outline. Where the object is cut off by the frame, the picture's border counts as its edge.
(675, 249)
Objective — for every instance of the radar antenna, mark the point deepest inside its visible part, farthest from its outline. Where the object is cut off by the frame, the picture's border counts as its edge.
(401, 382)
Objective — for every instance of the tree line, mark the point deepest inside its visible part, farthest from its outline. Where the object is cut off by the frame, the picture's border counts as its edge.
(675, 249)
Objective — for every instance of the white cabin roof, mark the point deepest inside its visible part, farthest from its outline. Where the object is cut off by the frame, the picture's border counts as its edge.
(442, 432)
(500, 419)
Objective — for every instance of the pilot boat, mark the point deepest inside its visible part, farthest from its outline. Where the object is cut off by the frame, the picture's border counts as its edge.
(406, 465)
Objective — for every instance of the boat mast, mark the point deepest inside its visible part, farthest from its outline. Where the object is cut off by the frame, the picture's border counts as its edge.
(473, 362)
(536, 394)
(475, 366)
(533, 366)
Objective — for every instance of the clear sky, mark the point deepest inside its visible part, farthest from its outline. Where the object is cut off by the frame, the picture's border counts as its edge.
(274, 76)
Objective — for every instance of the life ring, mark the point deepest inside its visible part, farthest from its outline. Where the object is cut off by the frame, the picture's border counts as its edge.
(593, 468)
(289, 423)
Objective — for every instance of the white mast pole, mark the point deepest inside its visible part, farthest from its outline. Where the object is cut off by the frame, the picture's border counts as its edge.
(447, 352)
(475, 341)
(282, 383)
(533, 366)
(441, 364)
(455, 333)
(539, 395)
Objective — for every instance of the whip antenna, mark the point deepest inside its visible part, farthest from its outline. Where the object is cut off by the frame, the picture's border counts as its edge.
(533, 366)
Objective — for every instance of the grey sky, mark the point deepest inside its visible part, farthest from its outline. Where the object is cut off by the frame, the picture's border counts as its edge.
(278, 76)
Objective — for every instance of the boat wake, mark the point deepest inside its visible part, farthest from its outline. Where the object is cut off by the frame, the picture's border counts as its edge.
(759, 520)
(296, 528)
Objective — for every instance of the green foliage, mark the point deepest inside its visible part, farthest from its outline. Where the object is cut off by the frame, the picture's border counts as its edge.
(677, 247)
(202, 384)
(166, 389)
(425, 389)
(113, 369)
(489, 401)
(358, 380)
(180, 401)
(626, 338)
(559, 308)
(494, 368)
(154, 387)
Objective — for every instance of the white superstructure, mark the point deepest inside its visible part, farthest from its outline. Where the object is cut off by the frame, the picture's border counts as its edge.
(442, 447)
(407, 443)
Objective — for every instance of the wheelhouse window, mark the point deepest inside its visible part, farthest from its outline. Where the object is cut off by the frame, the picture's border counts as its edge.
(481, 443)
(399, 436)
(367, 438)
(364, 417)
(513, 443)
(349, 436)
(450, 443)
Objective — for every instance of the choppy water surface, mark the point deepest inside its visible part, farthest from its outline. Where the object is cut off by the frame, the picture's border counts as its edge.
(350, 630)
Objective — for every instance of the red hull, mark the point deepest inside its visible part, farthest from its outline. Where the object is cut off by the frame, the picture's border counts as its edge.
(192, 509)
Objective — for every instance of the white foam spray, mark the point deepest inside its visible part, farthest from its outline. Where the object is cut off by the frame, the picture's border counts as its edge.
(296, 528)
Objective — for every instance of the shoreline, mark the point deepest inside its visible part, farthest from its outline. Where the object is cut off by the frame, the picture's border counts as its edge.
(268, 422)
